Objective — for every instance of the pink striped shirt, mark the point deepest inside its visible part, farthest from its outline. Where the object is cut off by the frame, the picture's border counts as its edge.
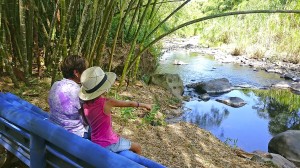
(101, 124)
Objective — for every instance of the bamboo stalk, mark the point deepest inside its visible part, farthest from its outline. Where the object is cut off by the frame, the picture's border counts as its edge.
(127, 12)
(50, 36)
(149, 23)
(1, 34)
(29, 34)
(133, 19)
(168, 17)
(9, 69)
(23, 40)
(13, 29)
(91, 34)
(1, 5)
(107, 24)
(116, 36)
(75, 45)
(4, 49)
(97, 33)
(133, 45)
(61, 51)
(102, 35)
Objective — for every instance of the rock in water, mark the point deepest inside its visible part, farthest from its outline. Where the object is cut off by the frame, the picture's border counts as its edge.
(232, 101)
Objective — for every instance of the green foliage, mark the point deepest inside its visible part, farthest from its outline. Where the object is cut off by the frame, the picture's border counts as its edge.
(283, 97)
(189, 12)
(146, 78)
(274, 36)
(113, 30)
(219, 6)
(49, 31)
(174, 100)
(151, 117)
(231, 142)
(127, 113)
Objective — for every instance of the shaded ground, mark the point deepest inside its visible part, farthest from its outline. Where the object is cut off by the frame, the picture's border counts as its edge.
(174, 145)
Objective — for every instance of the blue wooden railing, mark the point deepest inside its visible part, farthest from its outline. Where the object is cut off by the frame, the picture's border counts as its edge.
(26, 132)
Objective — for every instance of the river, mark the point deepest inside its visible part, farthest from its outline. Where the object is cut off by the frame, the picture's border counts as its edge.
(249, 127)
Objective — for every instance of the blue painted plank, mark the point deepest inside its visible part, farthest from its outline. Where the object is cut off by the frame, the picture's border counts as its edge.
(74, 145)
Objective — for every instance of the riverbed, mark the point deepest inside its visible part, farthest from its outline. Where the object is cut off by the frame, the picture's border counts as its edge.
(249, 127)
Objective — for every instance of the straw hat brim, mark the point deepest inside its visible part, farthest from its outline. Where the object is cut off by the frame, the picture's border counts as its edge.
(83, 95)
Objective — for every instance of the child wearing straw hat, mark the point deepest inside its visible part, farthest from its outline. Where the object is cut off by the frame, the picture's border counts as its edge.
(97, 109)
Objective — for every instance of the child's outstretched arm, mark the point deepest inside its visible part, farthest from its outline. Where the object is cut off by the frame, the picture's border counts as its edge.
(119, 103)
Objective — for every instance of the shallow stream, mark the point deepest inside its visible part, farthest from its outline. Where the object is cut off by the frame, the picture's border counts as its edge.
(250, 127)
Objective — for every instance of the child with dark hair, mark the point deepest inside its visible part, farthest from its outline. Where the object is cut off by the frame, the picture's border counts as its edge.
(63, 97)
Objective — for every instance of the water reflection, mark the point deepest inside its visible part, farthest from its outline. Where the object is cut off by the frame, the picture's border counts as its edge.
(282, 107)
(206, 120)
(253, 125)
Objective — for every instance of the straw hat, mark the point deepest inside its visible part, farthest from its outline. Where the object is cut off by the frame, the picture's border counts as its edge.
(94, 82)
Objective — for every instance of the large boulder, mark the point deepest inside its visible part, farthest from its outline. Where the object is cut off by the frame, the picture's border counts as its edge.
(287, 145)
(215, 86)
(171, 82)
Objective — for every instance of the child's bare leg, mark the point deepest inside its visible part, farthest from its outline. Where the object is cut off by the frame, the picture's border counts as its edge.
(136, 148)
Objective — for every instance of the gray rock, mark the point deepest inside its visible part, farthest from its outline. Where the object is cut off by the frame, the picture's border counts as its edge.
(215, 86)
(288, 76)
(204, 97)
(232, 101)
(287, 144)
(296, 79)
(244, 85)
(281, 161)
(171, 82)
(275, 159)
(296, 87)
(282, 85)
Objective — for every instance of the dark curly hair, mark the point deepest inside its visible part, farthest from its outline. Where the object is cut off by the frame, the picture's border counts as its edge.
(71, 63)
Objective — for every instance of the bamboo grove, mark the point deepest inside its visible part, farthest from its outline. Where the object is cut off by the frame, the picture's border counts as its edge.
(35, 35)
(39, 33)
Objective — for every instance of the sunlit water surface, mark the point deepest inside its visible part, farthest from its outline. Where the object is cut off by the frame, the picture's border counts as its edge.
(245, 127)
